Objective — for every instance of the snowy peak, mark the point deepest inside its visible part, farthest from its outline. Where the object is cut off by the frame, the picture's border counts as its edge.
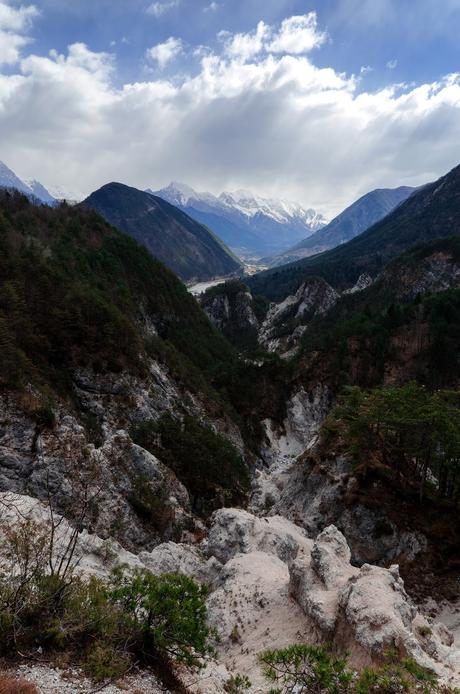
(176, 193)
(243, 220)
(8, 179)
(41, 192)
(35, 189)
(283, 211)
(71, 196)
(242, 201)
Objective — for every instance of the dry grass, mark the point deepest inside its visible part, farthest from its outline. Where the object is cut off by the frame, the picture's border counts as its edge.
(11, 685)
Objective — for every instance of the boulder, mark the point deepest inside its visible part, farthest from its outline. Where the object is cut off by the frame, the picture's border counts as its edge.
(234, 532)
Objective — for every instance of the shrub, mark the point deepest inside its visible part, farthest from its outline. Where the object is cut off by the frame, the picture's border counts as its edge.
(167, 614)
(303, 668)
(395, 677)
(11, 685)
(103, 662)
(237, 684)
(105, 626)
(152, 507)
(314, 670)
(205, 462)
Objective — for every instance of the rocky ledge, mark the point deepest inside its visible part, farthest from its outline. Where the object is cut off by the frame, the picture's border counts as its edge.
(271, 586)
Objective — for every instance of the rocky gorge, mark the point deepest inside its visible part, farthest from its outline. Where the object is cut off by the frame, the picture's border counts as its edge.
(278, 573)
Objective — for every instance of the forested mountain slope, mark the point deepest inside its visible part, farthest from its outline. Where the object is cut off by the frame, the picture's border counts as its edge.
(355, 219)
(187, 247)
(432, 212)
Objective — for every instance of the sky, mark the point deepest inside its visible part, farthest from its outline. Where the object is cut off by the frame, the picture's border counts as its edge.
(317, 102)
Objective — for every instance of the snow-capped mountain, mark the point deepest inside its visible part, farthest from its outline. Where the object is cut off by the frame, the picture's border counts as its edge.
(72, 196)
(40, 192)
(8, 179)
(243, 220)
(35, 189)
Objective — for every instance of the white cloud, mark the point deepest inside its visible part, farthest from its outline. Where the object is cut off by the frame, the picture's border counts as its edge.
(366, 69)
(14, 24)
(248, 45)
(12, 19)
(392, 64)
(297, 35)
(160, 8)
(164, 53)
(272, 122)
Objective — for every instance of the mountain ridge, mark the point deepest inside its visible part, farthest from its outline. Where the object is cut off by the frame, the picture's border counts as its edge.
(429, 213)
(244, 220)
(354, 220)
(33, 189)
(187, 247)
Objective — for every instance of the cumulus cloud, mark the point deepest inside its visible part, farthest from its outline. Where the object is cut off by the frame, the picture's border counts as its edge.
(248, 45)
(246, 117)
(14, 24)
(297, 35)
(164, 53)
(160, 8)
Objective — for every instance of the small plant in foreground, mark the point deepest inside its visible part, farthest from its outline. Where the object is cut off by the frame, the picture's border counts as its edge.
(304, 668)
(237, 684)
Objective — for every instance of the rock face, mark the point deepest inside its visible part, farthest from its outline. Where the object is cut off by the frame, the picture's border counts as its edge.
(363, 282)
(134, 496)
(269, 561)
(367, 610)
(239, 532)
(286, 322)
(230, 307)
(437, 271)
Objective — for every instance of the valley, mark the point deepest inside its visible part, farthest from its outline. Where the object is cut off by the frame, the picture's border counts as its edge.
(212, 434)
(229, 347)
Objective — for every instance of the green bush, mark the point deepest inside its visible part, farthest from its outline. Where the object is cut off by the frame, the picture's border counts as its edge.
(205, 462)
(167, 613)
(105, 626)
(304, 668)
(237, 684)
(408, 430)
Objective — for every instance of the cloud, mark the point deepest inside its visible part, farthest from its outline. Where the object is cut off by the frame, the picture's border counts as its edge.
(14, 24)
(245, 46)
(297, 35)
(246, 117)
(164, 53)
(160, 8)
(392, 64)
(365, 70)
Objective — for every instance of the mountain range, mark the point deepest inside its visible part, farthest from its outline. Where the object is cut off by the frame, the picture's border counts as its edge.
(187, 247)
(431, 212)
(33, 189)
(247, 223)
(355, 219)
